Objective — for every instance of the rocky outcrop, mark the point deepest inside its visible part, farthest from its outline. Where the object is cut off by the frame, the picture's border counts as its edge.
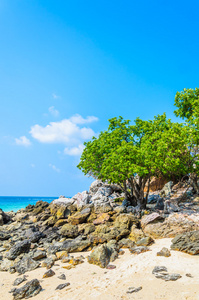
(187, 242)
(173, 225)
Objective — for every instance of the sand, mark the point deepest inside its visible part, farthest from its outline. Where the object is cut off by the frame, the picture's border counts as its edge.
(91, 282)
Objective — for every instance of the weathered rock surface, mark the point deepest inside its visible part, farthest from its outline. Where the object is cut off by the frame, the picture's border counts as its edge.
(173, 225)
(164, 252)
(20, 247)
(49, 273)
(161, 272)
(62, 286)
(30, 289)
(187, 242)
(19, 280)
(102, 255)
(26, 264)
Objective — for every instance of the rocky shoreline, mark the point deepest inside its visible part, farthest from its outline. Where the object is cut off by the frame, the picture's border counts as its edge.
(98, 221)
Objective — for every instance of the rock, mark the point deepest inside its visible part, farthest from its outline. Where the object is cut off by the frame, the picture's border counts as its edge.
(136, 234)
(168, 277)
(69, 230)
(20, 247)
(158, 269)
(62, 286)
(102, 192)
(189, 275)
(95, 186)
(187, 242)
(48, 263)
(61, 222)
(101, 219)
(153, 198)
(36, 236)
(164, 252)
(152, 218)
(61, 254)
(26, 264)
(62, 276)
(139, 249)
(81, 199)
(161, 272)
(30, 289)
(125, 221)
(103, 205)
(4, 236)
(4, 218)
(5, 265)
(167, 189)
(19, 280)
(49, 273)
(126, 243)
(173, 225)
(145, 241)
(76, 245)
(75, 261)
(86, 229)
(100, 256)
(39, 254)
(79, 217)
(170, 206)
(160, 205)
(110, 267)
(134, 290)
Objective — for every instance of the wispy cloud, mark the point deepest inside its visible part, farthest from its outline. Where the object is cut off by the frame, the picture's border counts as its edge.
(55, 96)
(74, 151)
(66, 131)
(23, 141)
(54, 112)
(78, 119)
(53, 167)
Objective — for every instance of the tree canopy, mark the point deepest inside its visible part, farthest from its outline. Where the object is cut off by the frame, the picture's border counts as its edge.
(187, 103)
(129, 155)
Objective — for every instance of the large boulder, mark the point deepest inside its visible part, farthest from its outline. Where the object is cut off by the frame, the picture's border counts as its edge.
(187, 242)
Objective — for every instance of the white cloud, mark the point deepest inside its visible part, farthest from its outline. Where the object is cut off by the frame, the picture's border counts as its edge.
(53, 111)
(55, 96)
(66, 131)
(77, 119)
(23, 141)
(74, 151)
(53, 167)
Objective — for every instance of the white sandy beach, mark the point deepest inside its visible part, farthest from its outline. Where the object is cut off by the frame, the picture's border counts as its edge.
(88, 282)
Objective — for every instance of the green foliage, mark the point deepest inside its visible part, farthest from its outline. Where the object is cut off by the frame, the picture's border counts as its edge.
(130, 154)
(187, 103)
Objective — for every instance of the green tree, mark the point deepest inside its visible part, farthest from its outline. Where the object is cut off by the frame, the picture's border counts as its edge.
(129, 155)
(187, 103)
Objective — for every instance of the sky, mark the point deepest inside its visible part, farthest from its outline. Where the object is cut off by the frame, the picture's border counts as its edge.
(66, 67)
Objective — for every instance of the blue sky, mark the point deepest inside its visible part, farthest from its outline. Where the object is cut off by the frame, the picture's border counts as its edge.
(66, 67)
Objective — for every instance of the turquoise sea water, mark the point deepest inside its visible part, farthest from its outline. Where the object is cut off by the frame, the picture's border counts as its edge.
(16, 203)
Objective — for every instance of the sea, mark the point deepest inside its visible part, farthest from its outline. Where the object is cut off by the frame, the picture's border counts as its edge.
(9, 203)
